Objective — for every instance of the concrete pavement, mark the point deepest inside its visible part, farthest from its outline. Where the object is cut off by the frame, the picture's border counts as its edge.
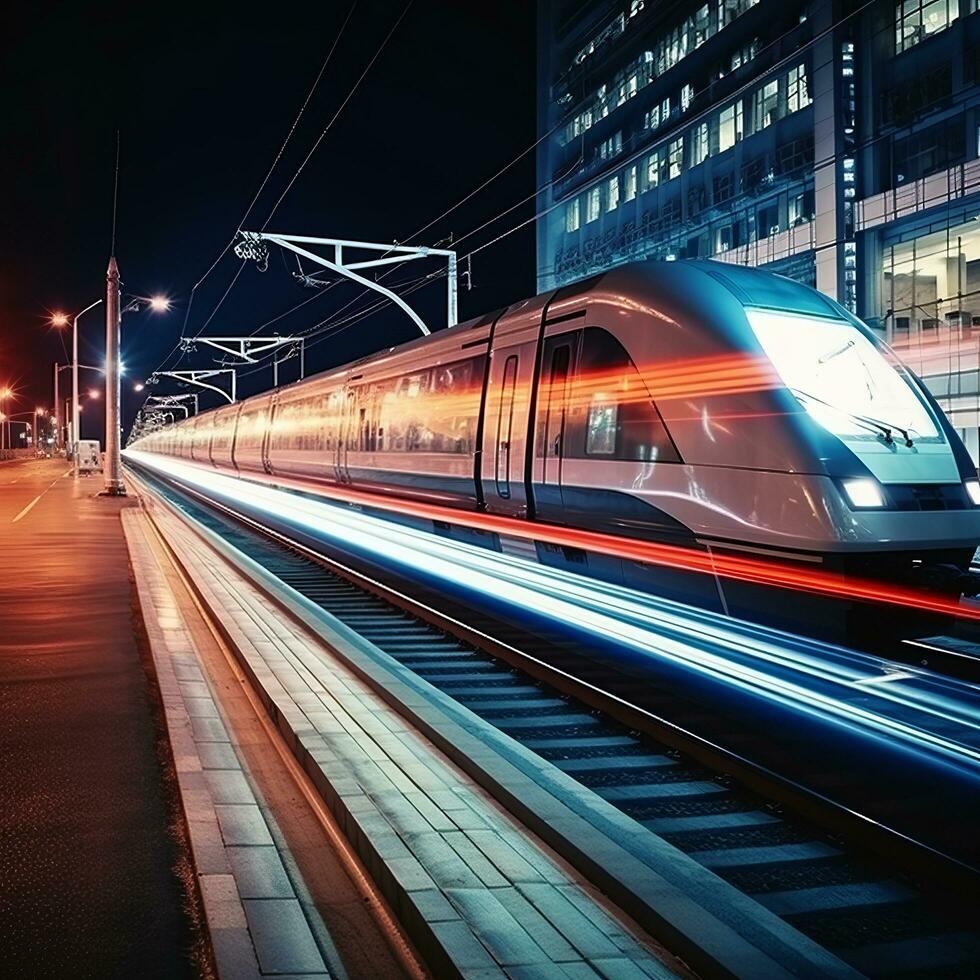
(89, 850)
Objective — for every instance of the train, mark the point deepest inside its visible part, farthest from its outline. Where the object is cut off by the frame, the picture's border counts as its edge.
(691, 402)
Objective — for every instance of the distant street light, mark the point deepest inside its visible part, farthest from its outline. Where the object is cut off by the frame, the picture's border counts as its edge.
(93, 393)
(158, 304)
(139, 386)
(61, 320)
(5, 393)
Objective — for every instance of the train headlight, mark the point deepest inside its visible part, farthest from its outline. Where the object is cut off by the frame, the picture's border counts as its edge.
(865, 492)
(973, 489)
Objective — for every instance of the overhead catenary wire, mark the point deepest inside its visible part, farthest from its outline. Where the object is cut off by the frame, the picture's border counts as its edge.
(274, 164)
(336, 114)
(748, 85)
(295, 176)
(261, 188)
(330, 324)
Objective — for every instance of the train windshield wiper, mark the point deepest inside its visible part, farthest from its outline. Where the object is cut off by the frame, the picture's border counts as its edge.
(867, 421)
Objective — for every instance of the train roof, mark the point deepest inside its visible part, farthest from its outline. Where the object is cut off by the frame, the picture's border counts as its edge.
(751, 287)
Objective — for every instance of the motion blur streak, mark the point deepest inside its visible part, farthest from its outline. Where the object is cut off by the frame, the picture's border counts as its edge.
(723, 374)
(757, 570)
(935, 718)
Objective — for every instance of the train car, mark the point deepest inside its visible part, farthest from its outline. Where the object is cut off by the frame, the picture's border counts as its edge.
(691, 402)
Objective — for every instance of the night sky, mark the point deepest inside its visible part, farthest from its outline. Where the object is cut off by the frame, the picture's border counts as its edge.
(203, 96)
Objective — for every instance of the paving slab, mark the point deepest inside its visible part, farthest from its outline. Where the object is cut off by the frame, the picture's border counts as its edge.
(255, 920)
(396, 795)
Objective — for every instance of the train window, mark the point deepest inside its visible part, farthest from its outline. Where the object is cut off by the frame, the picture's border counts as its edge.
(612, 414)
(433, 410)
(505, 426)
(298, 425)
(600, 433)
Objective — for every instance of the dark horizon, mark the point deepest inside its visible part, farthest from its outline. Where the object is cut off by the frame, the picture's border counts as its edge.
(449, 84)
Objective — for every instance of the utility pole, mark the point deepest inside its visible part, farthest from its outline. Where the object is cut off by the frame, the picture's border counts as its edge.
(57, 409)
(114, 486)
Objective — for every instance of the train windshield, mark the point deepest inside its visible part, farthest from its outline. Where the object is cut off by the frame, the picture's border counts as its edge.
(842, 378)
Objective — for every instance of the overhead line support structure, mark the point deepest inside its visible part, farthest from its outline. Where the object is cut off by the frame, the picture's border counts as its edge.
(254, 245)
(199, 378)
(249, 348)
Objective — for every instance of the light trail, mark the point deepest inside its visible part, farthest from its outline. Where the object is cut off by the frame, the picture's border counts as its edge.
(937, 718)
(755, 570)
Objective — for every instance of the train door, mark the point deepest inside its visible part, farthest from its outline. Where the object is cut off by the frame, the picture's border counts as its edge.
(556, 369)
(267, 435)
(348, 432)
(504, 438)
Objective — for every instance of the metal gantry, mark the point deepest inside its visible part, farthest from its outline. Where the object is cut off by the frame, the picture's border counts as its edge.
(199, 378)
(254, 245)
(165, 400)
(248, 349)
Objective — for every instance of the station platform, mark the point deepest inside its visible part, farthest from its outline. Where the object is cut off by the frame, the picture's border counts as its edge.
(90, 855)
(468, 890)
(172, 785)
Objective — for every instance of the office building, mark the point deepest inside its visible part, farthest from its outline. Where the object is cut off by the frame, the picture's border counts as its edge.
(836, 143)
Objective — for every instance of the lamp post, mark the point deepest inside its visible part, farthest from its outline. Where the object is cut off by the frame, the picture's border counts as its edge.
(39, 413)
(5, 393)
(114, 486)
(61, 320)
(156, 303)
(63, 404)
(20, 418)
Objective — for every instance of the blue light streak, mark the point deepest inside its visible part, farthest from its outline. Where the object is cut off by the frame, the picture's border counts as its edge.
(917, 712)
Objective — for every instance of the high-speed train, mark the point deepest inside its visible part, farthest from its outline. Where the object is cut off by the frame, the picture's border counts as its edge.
(689, 402)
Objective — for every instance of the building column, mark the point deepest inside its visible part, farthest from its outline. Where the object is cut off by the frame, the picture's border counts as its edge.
(825, 151)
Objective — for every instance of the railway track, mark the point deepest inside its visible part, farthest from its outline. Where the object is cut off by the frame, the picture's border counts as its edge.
(878, 917)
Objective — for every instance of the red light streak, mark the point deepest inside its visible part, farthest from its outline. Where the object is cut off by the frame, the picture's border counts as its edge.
(755, 570)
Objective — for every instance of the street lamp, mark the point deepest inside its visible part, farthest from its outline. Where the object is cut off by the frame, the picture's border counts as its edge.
(61, 319)
(112, 468)
(63, 405)
(39, 413)
(5, 393)
(20, 418)
(158, 304)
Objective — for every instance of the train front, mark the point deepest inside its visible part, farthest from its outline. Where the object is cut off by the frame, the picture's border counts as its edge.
(800, 433)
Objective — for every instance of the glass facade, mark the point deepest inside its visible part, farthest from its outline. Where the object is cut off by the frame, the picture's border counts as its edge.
(930, 295)
(839, 148)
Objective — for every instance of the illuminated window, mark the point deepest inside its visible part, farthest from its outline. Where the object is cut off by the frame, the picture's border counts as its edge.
(687, 97)
(766, 105)
(610, 147)
(612, 193)
(628, 89)
(630, 188)
(701, 26)
(600, 436)
(592, 205)
(699, 144)
(675, 158)
(432, 411)
(656, 116)
(729, 127)
(572, 216)
(797, 94)
(655, 163)
(915, 20)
